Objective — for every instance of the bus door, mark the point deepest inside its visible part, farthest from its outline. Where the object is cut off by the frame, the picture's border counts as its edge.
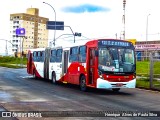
(29, 63)
(46, 63)
(65, 62)
(92, 65)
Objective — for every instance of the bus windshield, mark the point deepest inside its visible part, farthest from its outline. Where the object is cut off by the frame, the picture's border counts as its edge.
(116, 60)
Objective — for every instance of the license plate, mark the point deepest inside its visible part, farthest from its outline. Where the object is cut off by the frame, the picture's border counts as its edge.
(119, 85)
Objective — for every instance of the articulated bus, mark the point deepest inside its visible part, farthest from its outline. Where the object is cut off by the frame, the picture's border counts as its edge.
(101, 63)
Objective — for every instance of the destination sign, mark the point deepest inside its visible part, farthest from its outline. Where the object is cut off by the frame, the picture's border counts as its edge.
(114, 43)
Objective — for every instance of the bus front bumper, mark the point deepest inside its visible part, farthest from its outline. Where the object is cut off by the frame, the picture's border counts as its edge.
(101, 83)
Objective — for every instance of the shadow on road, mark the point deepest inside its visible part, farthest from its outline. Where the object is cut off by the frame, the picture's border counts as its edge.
(76, 88)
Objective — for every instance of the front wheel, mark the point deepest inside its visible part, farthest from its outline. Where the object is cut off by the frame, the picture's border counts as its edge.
(116, 89)
(54, 78)
(83, 86)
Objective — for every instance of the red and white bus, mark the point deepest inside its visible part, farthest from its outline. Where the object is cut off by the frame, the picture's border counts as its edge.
(102, 63)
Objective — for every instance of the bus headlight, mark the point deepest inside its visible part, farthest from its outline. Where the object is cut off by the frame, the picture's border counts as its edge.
(100, 74)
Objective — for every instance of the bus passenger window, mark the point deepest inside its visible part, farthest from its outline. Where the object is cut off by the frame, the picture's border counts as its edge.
(53, 56)
(42, 56)
(35, 56)
(73, 54)
(82, 53)
(39, 57)
(59, 55)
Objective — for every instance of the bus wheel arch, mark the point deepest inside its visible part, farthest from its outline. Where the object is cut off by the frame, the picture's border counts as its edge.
(53, 77)
(82, 82)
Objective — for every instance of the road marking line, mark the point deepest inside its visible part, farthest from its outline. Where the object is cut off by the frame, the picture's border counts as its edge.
(26, 76)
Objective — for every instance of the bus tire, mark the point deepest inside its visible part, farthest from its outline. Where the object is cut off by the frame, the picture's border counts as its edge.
(54, 78)
(83, 86)
(116, 89)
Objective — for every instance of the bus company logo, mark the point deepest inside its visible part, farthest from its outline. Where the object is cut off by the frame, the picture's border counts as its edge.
(20, 114)
(6, 114)
(119, 79)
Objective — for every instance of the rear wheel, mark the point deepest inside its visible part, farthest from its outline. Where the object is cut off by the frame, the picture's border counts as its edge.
(54, 78)
(83, 86)
(116, 89)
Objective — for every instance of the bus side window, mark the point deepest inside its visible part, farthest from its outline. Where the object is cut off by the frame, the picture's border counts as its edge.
(39, 56)
(42, 56)
(53, 56)
(73, 54)
(59, 55)
(35, 56)
(82, 54)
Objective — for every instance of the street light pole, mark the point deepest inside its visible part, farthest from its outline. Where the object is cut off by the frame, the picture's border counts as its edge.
(72, 32)
(124, 5)
(147, 33)
(55, 20)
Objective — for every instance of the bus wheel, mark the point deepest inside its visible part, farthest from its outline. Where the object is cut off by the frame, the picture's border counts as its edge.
(116, 89)
(83, 86)
(53, 78)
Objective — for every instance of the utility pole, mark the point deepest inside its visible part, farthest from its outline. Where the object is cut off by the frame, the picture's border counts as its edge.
(147, 35)
(6, 48)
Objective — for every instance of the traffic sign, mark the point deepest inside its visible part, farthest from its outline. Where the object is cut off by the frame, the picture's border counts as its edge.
(77, 34)
(20, 32)
(58, 25)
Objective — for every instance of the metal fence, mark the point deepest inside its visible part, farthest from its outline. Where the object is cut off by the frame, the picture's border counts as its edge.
(154, 72)
(148, 67)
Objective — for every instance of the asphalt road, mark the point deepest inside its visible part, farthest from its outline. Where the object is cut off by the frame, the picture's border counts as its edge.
(20, 92)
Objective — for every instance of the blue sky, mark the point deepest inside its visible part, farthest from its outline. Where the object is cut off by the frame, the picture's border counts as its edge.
(92, 18)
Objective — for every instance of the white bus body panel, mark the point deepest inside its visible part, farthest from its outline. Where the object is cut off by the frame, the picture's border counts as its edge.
(57, 68)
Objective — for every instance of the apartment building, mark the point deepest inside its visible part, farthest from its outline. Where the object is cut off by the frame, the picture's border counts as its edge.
(36, 35)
